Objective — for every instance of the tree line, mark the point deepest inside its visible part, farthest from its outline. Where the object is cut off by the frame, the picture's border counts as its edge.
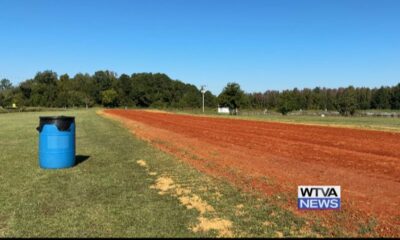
(344, 100)
(104, 88)
(157, 90)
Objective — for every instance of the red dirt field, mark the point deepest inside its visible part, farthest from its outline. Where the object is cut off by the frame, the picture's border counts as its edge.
(274, 158)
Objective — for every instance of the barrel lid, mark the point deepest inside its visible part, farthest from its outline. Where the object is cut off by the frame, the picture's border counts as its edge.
(62, 122)
(56, 118)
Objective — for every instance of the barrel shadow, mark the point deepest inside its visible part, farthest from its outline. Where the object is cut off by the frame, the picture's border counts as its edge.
(80, 159)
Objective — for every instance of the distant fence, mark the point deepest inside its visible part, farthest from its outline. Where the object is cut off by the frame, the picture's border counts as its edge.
(380, 114)
(29, 109)
(318, 113)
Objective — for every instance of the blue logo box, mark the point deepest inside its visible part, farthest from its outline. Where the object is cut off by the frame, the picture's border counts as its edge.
(319, 197)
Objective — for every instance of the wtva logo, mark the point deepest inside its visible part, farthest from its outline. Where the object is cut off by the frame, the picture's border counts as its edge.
(318, 197)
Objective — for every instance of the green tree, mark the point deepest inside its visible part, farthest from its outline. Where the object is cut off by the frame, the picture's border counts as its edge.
(125, 89)
(257, 100)
(363, 98)
(271, 99)
(86, 85)
(25, 88)
(346, 102)
(381, 98)
(44, 89)
(210, 100)
(330, 99)
(103, 80)
(109, 98)
(232, 96)
(296, 99)
(395, 98)
(5, 84)
(6, 98)
(287, 102)
(63, 89)
(191, 98)
(141, 94)
(5, 92)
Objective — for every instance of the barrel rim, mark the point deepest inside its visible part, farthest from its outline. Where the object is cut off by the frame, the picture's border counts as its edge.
(57, 118)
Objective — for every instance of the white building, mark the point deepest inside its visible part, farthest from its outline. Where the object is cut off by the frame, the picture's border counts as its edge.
(224, 110)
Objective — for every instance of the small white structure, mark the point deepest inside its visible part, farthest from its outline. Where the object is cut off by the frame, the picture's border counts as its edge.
(224, 110)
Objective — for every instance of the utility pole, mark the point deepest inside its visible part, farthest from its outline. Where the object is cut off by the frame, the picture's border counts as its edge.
(203, 90)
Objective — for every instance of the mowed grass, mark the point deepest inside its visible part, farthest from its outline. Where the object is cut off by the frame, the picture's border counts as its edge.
(372, 123)
(110, 195)
(363, 122)
(106, 195)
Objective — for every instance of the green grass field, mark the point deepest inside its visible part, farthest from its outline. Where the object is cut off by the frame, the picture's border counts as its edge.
(365, 122)
(111, 195)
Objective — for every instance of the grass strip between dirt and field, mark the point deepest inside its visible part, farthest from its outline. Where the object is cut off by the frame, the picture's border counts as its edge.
(124, 188)
(390, 124)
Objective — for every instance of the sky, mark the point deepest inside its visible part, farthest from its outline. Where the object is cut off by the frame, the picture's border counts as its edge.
(262, 45)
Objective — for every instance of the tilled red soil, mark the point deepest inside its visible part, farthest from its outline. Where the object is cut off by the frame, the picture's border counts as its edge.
(275, 158)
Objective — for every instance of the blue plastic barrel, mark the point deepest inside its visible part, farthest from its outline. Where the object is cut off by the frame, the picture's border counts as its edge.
(56, 142)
